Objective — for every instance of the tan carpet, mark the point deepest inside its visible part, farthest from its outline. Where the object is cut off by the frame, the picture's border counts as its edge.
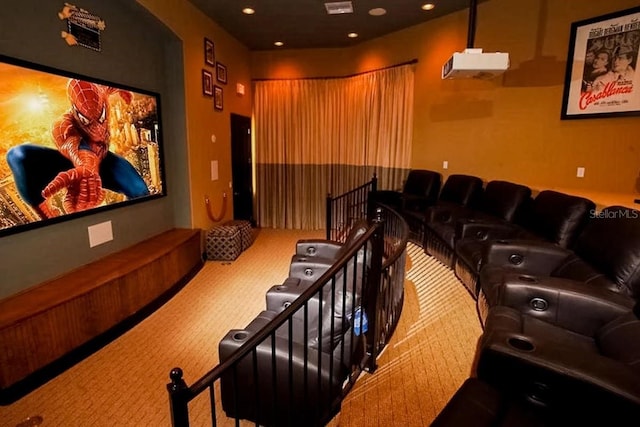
(123, 384)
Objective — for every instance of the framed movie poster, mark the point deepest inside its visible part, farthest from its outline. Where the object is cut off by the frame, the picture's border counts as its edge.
(601, 78)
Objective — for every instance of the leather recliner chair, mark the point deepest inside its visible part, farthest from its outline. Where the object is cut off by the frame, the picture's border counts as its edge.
(457, 191)
(552, 216)
(479, 404)
(551, 282)
(308, 360)
(312, 259)
(585, 366)
(420, 189)
(500, 201)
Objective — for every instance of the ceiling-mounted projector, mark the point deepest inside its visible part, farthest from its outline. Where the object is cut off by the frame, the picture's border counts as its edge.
(473, 63)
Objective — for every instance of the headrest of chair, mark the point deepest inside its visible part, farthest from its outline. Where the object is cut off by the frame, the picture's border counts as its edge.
(558, 217)
(503, 199)
(461, 189)
(610, 242)
(421, 182)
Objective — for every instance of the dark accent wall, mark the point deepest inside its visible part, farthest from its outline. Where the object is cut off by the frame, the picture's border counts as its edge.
(138, 51)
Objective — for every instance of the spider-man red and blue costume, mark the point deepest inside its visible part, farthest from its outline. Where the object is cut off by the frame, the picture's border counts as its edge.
(82, 164)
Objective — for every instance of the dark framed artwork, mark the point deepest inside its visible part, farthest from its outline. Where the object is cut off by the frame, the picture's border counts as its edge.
(207, 83)
(601, 79)
(218, 102)
(209, 53)
(49, 132)
(221, 73)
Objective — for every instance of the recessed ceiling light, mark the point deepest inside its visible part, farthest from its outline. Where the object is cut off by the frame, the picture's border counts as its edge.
(248, 11)
(427, 6)
(352, 35)
(377, 11)
(279, 44)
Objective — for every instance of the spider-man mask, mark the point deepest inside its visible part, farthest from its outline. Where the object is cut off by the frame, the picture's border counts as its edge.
(90, 109)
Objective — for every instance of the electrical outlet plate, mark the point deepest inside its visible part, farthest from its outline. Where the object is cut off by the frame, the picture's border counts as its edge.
(580, 172)
(100, 233)
(445, 164)
(214, 170)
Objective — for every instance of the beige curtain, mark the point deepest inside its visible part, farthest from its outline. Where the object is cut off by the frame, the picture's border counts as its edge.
(319, 136)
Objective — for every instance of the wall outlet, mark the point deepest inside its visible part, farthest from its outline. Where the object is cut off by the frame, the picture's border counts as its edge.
(580, 172)
(445, 164)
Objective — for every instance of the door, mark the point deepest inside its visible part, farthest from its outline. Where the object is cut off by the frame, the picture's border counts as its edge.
(241, 168)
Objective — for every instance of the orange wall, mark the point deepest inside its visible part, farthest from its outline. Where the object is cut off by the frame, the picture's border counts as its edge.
(191, 26)
(505, 128)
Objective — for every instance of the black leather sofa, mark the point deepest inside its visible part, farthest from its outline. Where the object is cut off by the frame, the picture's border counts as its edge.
(603, 264)
(561, 340)
(298, 373)
(501, 201)
(557, 286)
(420, 190)
(551, 216)
(458, 191)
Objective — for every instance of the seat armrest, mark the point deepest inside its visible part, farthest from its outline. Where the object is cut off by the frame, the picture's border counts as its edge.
(485, 230)
(533, 256)
(549, 372)
(279, 297)
(565, 303)
(317, 248)
(446, 213)
(411, 202)
(308, 268)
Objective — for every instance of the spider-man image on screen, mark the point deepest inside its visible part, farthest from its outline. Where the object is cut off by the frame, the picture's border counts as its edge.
(82, 166)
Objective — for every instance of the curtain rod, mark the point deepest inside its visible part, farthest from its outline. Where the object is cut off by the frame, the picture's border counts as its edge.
(413, 61)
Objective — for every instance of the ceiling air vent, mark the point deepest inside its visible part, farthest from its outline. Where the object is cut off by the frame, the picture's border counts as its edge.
(339, 7)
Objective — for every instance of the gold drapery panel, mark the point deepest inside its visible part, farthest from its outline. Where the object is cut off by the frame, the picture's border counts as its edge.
(320, 136)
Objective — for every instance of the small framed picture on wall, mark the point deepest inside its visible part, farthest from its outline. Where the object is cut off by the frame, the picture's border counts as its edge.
(217, 97)
(207, 83)
(221, 73)
(209, 53)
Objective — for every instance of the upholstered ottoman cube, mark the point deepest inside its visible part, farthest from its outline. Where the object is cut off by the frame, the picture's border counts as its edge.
(223, 243)
(246, 232)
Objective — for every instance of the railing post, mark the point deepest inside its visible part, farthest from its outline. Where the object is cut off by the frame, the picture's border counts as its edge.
(328, 213)
(373, 288)
(178, 402)
(371, 200)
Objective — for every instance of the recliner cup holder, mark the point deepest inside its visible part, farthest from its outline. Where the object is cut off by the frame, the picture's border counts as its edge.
(240, 336)
(520, 344)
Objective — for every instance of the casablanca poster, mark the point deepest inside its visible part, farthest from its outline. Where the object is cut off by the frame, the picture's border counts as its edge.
(603, 55)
